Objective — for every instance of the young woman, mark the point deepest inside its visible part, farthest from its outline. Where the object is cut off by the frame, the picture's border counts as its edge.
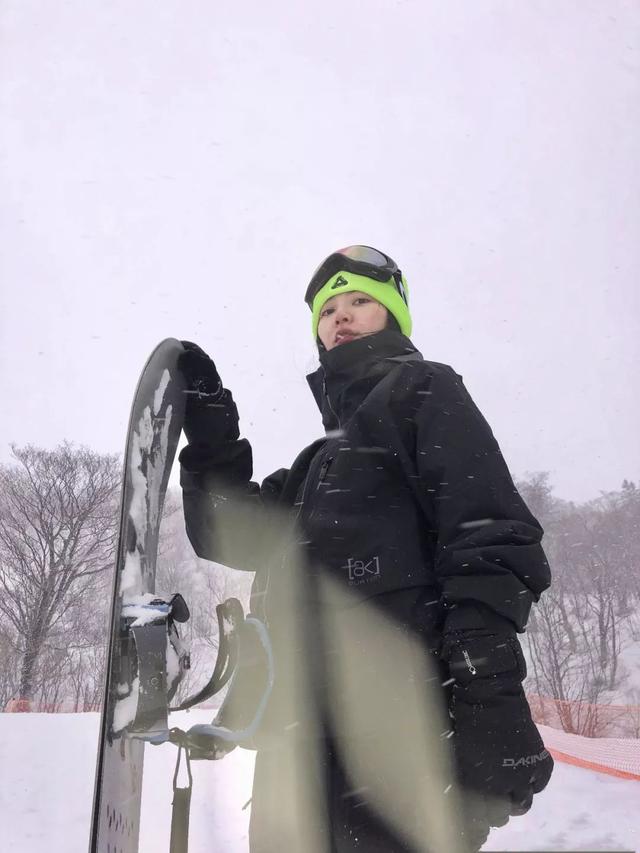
(395, 544)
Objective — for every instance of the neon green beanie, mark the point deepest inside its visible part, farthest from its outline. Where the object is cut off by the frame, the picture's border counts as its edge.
(384, 292)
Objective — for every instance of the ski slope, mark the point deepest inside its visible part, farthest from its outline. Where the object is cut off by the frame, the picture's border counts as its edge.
(46, 790)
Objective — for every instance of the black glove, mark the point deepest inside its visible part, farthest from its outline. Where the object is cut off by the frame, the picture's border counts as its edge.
(200, 374)
(499, 754)
(209, 411)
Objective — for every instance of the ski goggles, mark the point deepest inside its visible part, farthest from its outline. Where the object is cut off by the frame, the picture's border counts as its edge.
(362, 260)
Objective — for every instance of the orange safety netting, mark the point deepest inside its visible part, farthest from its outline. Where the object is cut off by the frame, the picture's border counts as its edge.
(29, 706)
(614, 756)
(605, 738)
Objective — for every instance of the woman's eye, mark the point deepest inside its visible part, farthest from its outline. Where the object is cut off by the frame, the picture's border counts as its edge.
(326, 311)
(361, 300)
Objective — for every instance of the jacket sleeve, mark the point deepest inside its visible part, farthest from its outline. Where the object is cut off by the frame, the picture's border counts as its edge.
(227, 515)
(489, 561)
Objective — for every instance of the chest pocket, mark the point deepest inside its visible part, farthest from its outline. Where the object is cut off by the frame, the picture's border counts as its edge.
(316, 482)
(353, 485)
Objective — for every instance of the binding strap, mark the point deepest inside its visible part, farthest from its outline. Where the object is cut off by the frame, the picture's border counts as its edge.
(179, 842)
(230, 617)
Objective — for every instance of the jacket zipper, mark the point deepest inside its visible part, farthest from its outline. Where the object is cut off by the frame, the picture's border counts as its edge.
(323, 471)
(326, 394)
(470, 666)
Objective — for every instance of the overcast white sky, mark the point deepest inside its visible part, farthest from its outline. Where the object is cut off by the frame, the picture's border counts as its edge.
(180, 168)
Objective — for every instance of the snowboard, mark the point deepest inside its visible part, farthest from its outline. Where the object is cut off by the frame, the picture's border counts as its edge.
(141, 642)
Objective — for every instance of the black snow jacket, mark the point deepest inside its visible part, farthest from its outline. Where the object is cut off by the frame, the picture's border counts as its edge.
(407, 500)
(407, 504)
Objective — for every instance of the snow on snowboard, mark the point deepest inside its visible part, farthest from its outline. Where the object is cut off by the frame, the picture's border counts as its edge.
(146, 658)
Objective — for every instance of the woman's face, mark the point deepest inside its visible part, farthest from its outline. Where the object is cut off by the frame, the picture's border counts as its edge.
(350, 315)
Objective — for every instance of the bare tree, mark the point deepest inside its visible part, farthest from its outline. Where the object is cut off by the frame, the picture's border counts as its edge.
(537, 491)
(603, 567)
(579, 629)
(58, 514)
(9, 665)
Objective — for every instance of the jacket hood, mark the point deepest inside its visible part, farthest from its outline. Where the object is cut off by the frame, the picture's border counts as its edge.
(348, 372)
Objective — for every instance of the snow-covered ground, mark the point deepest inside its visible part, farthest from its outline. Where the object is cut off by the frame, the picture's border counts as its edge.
(47, 785)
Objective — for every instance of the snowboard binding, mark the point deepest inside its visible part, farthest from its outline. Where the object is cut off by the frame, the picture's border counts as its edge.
(152, 663)
(244, 664)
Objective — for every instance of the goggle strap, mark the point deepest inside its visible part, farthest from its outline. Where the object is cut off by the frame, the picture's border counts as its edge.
(397, 277)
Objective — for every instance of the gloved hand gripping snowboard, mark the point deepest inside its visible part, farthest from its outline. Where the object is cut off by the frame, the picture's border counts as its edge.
(206, 398)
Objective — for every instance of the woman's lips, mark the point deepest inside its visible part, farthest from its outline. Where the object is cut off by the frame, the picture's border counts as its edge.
(343, 337)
